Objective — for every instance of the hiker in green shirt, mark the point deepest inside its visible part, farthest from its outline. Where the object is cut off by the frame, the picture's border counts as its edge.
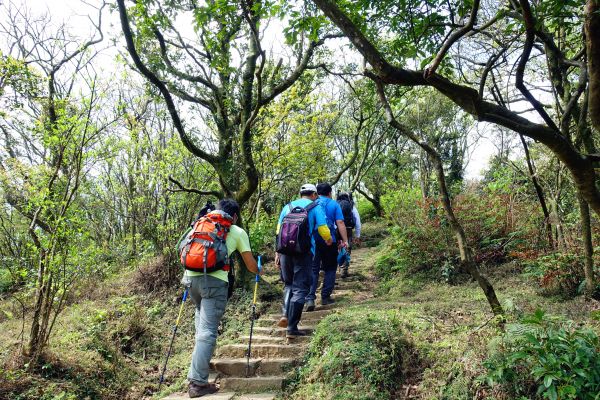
(209, 293)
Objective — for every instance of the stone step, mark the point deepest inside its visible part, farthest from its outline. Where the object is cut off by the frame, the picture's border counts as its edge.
(254, 384)
(273, 339)
(307, 318)
(258, 366)
(306, 315)
(260, 350)
(276, 331)
(258, 396)
(215, 396)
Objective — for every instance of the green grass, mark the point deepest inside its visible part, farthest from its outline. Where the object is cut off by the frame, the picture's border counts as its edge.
(111, 343)
(354, 354)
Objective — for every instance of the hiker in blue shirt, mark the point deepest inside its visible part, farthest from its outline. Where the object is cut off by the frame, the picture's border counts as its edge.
(296, 268)
(326, 256)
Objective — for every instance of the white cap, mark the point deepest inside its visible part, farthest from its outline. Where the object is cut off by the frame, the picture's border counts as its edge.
(308, 187)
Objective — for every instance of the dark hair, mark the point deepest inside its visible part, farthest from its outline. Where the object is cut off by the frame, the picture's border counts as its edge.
(230, 206)
(343, 196)
(306, 193)
(324, 189)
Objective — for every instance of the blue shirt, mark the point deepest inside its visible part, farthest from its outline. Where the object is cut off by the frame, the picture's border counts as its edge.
(316, 218)
(333, 213)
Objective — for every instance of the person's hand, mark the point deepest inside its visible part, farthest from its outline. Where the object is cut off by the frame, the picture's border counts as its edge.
(277, 261)
(356, 241)
(329, 242)
(342, 244)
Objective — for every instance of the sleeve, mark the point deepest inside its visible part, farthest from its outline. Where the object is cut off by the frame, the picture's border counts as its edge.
(281, 215)
(242, 244)
(339, 215)
(357, 223)
(321, 223)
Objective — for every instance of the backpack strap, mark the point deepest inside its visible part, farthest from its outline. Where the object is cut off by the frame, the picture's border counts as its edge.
(311, 206)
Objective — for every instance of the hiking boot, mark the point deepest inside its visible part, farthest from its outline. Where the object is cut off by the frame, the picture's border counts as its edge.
(283, 322)
(196, 390)
(344, 272)
(294, 334)
(327, 300)
(310, 305)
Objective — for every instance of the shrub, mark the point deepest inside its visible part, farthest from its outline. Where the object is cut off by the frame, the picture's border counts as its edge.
(495, 225)
(557, 273)
(262, 234)
(366, 210)
(6, 280)
(354, 355)
(541, 358)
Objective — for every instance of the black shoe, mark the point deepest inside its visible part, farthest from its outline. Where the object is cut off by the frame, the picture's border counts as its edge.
(344, 272)
(196, 390)
(310, 305)
(294, 334)
(327, 300)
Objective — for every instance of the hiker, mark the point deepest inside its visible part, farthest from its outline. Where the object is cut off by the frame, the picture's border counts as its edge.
(209, 292)
(299, 222)
(326, 256)
(353, 226)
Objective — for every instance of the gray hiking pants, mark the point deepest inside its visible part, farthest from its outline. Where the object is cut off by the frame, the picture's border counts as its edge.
(210, 297)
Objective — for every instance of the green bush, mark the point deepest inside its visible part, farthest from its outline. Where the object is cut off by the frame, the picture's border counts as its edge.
(541, 358)
(557, 273)
(420, 238)
(366, 210)
(354, 355)
(6, 280)
(262, 234)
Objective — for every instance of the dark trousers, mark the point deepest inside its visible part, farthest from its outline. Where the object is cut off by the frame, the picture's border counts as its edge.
(326, 259)
(296, 274)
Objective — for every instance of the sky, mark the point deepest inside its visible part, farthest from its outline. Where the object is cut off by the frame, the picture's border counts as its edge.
(75, 13)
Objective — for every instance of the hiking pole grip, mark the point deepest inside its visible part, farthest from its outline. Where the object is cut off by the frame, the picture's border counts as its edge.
(162, 375)
(259, 266)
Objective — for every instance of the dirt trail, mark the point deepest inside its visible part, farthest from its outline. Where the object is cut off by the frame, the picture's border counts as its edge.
(273, 356)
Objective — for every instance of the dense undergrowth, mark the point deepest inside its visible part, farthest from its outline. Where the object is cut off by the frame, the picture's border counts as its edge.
(355, 354)
(426, 334)
(545, 347)
(111, 343)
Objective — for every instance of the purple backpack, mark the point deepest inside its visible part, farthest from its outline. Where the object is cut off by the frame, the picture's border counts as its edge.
(294, 237)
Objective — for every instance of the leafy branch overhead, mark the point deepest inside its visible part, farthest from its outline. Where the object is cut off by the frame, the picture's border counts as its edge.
(352, 21)
(216, 83)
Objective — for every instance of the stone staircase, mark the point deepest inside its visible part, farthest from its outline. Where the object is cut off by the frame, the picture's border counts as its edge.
(273, 355)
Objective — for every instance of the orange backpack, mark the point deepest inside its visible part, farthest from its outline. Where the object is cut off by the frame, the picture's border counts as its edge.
(204, 248)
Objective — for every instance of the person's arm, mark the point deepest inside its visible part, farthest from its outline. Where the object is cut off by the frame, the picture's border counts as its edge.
(321, 223)
(341, 226)
(280, 220)
(357, 224)
(250, 262)
(243, 247)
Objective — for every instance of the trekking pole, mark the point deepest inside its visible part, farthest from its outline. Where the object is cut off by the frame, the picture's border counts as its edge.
(253, 317)
(164, 368)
